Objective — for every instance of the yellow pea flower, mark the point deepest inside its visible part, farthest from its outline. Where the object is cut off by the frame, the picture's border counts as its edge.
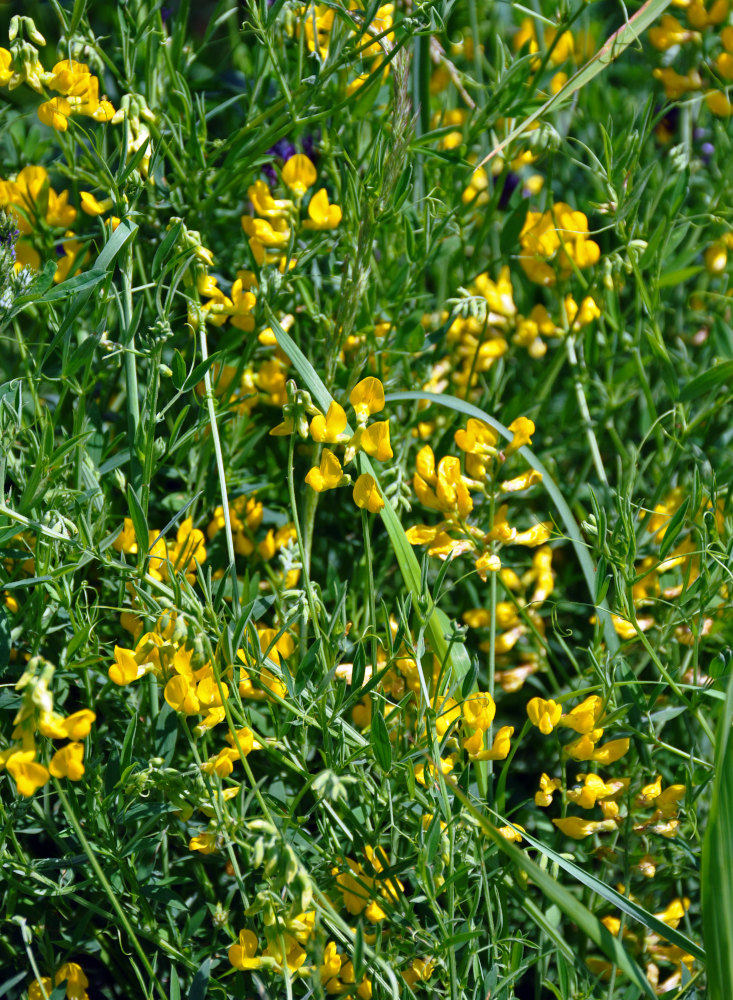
(522, 428)
(204, 843)
(479, 711)
(76, 980)
(299, 174)
(79, 724)
(67, 762)
(91, 206)
(28, 775)
(583, 717)
(611, 751)
(499, 748)
(522, 482)
(367, 495)
(322, 214)
(375, 441)
(512, 833)
(548, 786)
(328, 429)
(578, 828)
(179, 693)
(328, 475)
(222, 764)
(126, 668)
(544, 714)
(55, 113)
(6, 67)
(367, 397)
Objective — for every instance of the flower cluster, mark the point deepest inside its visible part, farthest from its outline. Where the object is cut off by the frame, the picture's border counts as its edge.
(555, 242)
(317, 23)
(447, 489)
(518, 645)
(659, 581)
(270, 229)
(685, 42)
(36, 717)
(165, 559)
(366, 398)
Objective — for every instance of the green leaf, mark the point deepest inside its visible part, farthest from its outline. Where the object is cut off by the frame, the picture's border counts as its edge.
(175, 985)
(380, 740)
(198, 373)
(716, 877)
(79, 283)
(165, 247)
(673, 529)
(139, 521)
(709, 381)
(200, 984)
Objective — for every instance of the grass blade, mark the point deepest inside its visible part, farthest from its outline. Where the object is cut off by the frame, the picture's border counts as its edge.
(717, 872)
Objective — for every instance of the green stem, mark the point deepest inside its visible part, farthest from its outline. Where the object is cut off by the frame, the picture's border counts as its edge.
(220, 468)
(299, 535)
(127, 339)
(584, 411)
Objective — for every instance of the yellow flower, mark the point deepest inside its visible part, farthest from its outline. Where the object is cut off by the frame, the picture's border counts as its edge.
(522, 428)
(264, 204)
(548, 786)
(578, 828)
(126, 667)
(204, 843)
(6, 67)
(375, 440)
(367, 495)
(55, 113)
(76, 981)
(34, 988)
(594, 788)
(499, 748)
(719, 103)
(583, 717)
(322, 214)
(328, 475)
(512, 833)
(544, 714)
(299, 174)
(479, 710)
(91, 206)
(367, 398)
(28, 775)
(328, 429)
(67, 762)
(674, 912)
(181, 695)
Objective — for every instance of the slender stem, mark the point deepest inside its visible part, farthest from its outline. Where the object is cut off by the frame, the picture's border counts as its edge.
(127, 339)
(584, 411)
(299, 535)
(371, 603)
(220, 468)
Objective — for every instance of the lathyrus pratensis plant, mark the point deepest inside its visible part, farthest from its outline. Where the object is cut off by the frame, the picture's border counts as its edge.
(307, 685)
